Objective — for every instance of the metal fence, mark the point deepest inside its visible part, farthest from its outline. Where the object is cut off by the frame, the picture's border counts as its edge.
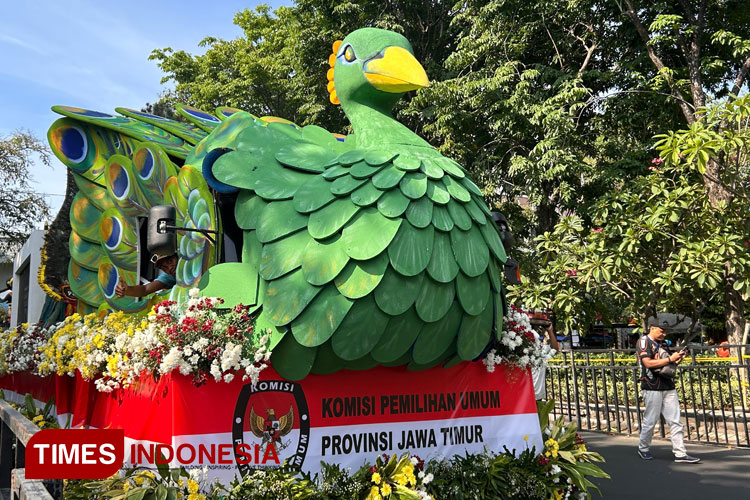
(600, 390)
(15, 432)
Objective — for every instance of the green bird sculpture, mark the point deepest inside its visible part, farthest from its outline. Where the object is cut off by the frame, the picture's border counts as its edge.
(357, 251)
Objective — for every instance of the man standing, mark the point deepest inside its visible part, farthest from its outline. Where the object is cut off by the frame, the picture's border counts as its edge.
(659, 394)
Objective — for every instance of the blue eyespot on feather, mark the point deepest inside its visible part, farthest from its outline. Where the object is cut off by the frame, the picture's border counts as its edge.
(208, 163)
(73, 144)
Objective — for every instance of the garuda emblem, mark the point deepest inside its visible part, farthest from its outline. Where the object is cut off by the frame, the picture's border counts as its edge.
(271, 429)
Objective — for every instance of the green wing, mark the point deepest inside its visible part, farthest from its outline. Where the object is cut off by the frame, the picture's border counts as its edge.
(364, 257)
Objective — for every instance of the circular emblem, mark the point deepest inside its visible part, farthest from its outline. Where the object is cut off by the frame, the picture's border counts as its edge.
(271, 426)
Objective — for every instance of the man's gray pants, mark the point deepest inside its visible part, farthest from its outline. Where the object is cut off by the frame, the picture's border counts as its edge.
(667, 404)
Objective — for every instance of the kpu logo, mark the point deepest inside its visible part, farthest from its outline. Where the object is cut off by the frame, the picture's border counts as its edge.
(274, 412)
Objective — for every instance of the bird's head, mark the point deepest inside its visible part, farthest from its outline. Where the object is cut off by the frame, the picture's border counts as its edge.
(373, 67)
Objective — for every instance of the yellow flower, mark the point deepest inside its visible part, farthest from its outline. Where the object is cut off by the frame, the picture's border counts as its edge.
(376, 478)
(385, 490)
(181, 483)
(526, 438)
(192, 486)
(552, 447)
(37, 419)
(374, 494)
(126, 486)
(400, 479)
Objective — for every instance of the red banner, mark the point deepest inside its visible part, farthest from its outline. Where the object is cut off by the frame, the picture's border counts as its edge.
(346, 418)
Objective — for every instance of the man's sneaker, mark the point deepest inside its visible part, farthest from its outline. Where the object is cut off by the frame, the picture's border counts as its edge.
(687, 459)
(645, 455)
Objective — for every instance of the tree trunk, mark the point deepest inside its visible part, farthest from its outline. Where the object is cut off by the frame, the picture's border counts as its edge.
(735, 308)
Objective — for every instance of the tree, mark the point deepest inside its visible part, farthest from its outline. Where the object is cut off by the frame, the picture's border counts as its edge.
(658, 242)
(698, 50)
(21, 208)
(555, 101)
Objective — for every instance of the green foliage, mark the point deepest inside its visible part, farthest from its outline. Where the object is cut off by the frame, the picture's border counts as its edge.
(562, 467)
(143, 484)
(660, 242)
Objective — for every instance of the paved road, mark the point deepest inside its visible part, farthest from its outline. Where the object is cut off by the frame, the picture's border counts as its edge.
(723, 474)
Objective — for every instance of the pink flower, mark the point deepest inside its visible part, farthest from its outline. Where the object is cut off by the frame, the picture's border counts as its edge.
(597, 230)
(571, 272)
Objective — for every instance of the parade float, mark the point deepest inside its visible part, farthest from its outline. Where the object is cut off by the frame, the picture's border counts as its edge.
(337, 297)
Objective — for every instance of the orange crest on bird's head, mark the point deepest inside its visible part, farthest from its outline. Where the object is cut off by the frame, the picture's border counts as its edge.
(331, 61)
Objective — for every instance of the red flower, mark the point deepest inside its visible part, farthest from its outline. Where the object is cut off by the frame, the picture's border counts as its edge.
(543, 460)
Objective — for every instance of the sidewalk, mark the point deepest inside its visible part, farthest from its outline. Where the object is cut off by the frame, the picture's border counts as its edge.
(723, 473)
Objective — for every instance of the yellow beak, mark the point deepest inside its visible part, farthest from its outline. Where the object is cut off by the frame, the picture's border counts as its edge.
(396, 72)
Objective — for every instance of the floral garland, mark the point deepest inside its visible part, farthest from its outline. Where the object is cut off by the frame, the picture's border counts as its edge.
(196, 338)
(519, 344)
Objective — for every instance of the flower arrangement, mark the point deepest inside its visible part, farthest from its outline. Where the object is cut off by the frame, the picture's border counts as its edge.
(195, 337)
(144, 483)
(394, 477)
(519, 344)
(19, 348)
(559, 471)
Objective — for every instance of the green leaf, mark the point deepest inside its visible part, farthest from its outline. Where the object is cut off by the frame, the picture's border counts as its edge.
(369, 234)
(475, 333)
(393, 203)
(470, 250)
(434, 299)
(279, 219)
(396, 293)
(400, 334)
(284, 255)
(473, 293)
(313, 195)
(435, 337)
(292, 360)
(324, 259)
(388, 178)
(331, 218)
(443, 266)
(419, 212)
(360, 331)
(411, 250)
(366, 195)
(359, 278)
(414, 185)
(287, 297)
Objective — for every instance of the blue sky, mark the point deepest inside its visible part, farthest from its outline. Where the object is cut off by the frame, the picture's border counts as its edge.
(94, 54)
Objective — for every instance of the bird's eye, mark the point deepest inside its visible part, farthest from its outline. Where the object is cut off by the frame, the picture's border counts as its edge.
(349, 54)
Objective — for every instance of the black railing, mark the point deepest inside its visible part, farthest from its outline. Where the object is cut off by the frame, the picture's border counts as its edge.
(600, 390)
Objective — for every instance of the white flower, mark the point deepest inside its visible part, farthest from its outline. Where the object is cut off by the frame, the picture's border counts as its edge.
(194, 292)
(428, 478)
(228, 377)
(171, 360)
(215, 370)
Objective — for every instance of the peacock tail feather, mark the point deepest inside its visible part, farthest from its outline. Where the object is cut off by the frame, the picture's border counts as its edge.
(123, 165)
